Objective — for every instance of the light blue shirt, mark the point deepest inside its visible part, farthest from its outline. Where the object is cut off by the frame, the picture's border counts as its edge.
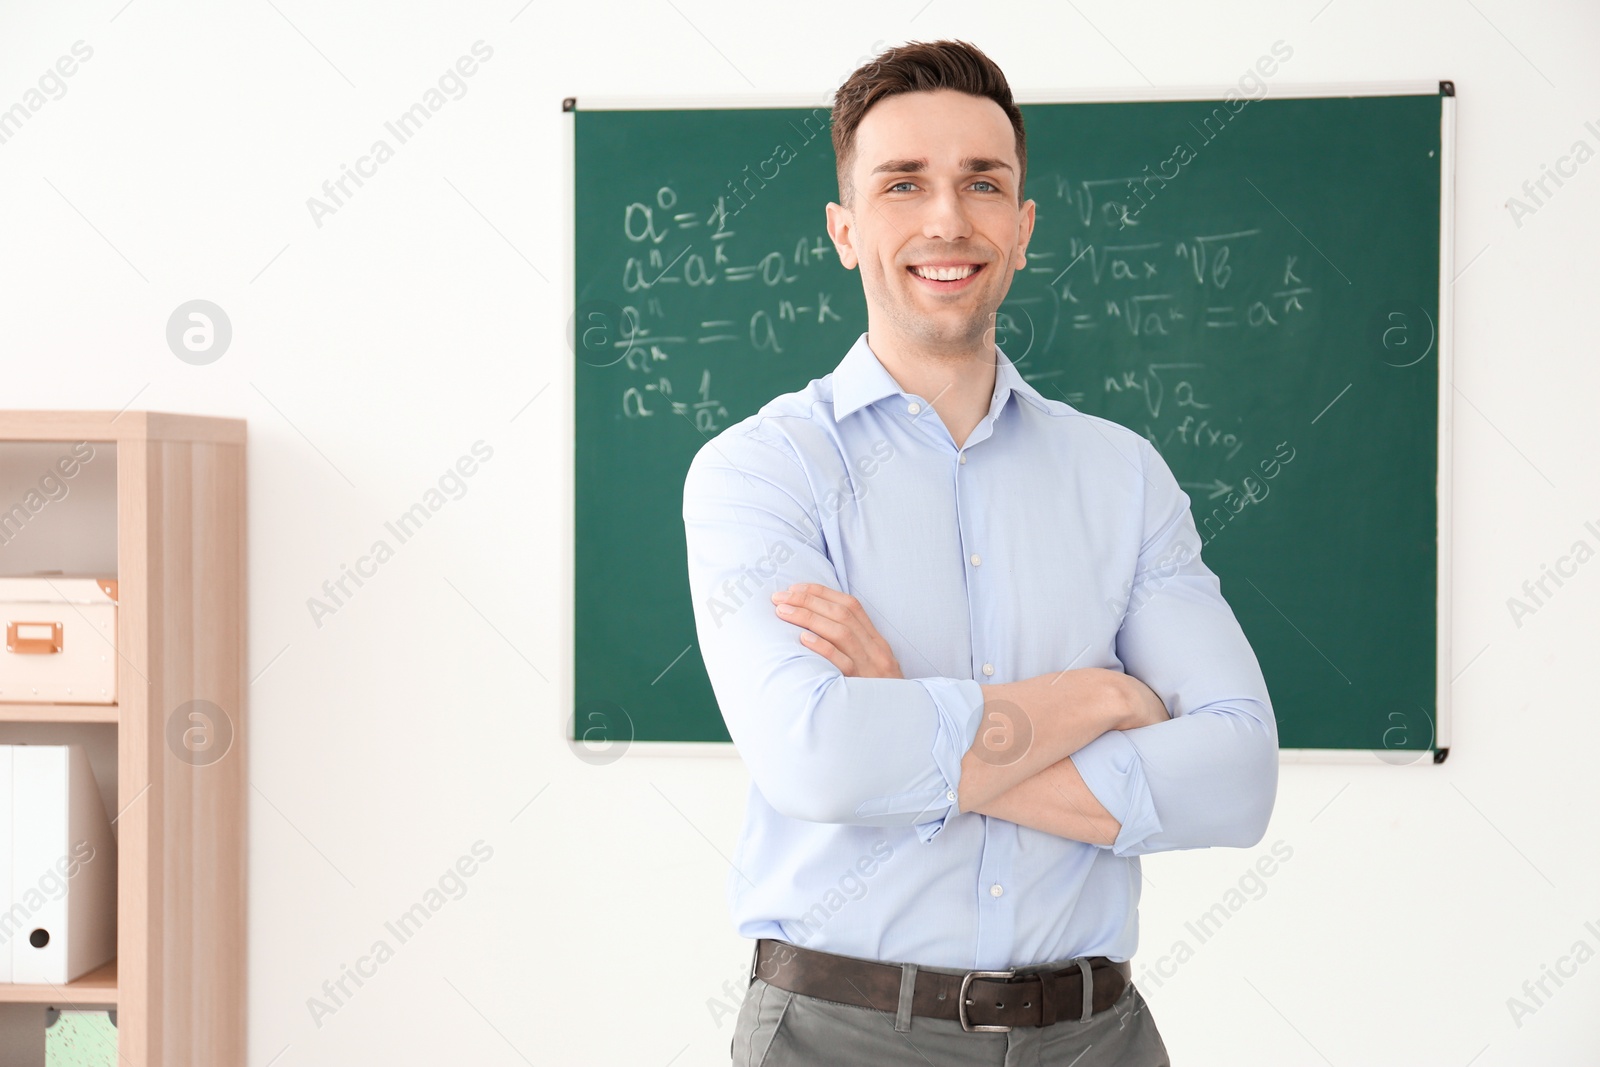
(1051, 539)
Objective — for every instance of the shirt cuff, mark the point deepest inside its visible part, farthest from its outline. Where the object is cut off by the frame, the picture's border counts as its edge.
(1110, 767)
(959, 703)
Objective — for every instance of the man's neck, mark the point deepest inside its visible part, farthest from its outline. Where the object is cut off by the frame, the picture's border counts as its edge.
(959, 386)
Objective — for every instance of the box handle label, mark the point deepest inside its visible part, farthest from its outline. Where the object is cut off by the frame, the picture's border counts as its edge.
(33, 638)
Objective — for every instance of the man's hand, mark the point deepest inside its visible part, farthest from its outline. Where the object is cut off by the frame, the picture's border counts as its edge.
(834, 625)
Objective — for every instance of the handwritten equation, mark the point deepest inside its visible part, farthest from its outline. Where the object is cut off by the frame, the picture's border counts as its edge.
(1170, 298)
(774, 294)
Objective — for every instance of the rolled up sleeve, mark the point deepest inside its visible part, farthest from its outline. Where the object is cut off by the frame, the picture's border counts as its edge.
(1208, 776)
(1111, 767)
(820, 746)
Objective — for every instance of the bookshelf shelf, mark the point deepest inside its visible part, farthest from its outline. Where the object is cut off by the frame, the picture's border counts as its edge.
(58, 712)
(98, 987)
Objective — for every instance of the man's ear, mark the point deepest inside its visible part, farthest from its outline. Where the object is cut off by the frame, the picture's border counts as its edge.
(1024, 232)
(841, 227)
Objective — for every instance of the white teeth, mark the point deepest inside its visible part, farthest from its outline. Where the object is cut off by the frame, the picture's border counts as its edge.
(944, 274)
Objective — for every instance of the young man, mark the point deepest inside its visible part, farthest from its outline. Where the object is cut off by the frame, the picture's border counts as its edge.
(963, 639)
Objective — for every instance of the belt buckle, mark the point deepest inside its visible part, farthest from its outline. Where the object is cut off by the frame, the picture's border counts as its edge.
(961, 1007)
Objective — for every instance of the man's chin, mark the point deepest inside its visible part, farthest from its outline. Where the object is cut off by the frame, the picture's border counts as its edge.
(963, 335)
(942, 329)
(968, 324)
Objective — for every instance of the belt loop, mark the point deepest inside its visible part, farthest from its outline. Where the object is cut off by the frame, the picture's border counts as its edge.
(1088, 989)
(1048, 1005)
(908, 989)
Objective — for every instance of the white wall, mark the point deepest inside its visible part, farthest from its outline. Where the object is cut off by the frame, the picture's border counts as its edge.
(428, 313)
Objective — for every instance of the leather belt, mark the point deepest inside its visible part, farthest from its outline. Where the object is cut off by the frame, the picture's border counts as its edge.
(979, 1000)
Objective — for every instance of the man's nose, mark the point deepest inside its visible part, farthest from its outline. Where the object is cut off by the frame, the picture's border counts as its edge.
(947, 216)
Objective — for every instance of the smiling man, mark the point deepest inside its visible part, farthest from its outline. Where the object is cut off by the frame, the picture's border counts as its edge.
(974, 690)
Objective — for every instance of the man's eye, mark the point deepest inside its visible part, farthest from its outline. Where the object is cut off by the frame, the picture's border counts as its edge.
(990, 184)
(897, 185)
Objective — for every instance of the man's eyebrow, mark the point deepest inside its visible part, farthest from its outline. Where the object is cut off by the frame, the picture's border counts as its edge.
(969, 165)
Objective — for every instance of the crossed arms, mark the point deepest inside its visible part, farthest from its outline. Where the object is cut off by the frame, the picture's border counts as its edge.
(1018, 767)
(1179, 750)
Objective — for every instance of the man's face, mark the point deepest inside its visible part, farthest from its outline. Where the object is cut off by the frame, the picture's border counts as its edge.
(935, 177)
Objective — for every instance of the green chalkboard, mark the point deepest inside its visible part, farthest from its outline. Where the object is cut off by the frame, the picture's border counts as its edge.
(1252, 285)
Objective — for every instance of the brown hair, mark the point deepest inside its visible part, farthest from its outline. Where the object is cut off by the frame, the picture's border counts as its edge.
(919, 66)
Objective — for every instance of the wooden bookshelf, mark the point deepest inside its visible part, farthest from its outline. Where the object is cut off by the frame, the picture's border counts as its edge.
(178, 981)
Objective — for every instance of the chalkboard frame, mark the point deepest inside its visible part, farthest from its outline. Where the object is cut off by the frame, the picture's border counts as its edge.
(1444, 89)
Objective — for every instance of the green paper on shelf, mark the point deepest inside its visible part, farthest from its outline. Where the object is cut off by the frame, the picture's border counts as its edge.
(81, 1039)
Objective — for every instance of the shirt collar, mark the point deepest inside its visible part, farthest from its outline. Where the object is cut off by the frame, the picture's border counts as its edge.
(861, 379)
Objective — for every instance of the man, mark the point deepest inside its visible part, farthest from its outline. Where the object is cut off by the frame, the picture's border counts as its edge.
(946, 620)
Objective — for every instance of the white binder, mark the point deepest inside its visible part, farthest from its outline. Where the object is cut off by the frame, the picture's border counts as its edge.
(58, 866)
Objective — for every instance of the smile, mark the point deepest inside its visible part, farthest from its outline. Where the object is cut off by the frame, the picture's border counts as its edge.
(946, 279)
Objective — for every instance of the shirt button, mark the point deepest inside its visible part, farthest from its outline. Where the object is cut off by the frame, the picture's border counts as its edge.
(950, 795)
(995, 890)
(977, 560)
(913, 407)
(988, 668)
(963, 457)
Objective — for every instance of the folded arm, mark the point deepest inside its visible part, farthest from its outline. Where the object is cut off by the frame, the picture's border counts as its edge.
(1209, 775)
(821, 746)
(1056, 799)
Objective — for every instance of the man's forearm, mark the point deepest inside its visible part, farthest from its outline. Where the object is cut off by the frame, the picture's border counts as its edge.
(1057, 801)
(1031, 725)
(1018, 767)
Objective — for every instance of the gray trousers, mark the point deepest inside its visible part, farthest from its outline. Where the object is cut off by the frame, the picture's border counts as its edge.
(777, 1028)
